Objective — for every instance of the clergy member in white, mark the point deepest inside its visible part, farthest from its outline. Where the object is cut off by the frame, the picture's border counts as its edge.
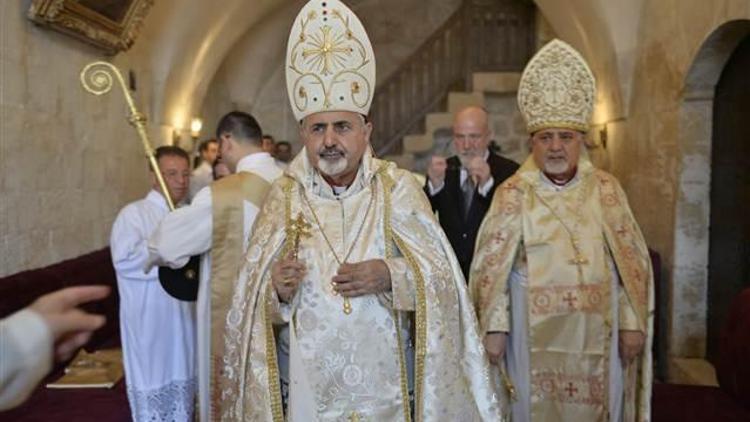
(157, 331)
(203, 175)
(211, 223)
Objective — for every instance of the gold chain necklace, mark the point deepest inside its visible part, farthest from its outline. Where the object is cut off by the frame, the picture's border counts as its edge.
(579, 259)
(347, 303)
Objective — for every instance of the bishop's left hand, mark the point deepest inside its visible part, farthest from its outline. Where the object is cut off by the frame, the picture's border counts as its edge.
(631, 345)
(362, 278)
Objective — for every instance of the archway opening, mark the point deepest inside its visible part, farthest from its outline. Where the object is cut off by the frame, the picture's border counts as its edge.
(729, 239)
(689, 297)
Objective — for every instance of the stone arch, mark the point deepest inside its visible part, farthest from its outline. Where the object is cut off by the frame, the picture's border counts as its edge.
(692, 212)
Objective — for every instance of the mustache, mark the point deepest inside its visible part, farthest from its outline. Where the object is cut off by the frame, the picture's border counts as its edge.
(333, 151)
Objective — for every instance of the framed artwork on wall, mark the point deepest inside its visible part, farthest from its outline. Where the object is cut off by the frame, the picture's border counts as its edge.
(111, 25)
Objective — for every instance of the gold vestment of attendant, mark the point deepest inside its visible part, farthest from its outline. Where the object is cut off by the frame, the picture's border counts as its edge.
(227, 212)
(353, 364)
(565, 238)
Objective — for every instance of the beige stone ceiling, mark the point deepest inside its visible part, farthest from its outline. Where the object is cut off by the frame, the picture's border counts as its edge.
(187, 41)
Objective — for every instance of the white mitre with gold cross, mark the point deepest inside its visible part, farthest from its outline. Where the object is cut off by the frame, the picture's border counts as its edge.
(330, 65)
(557, 89)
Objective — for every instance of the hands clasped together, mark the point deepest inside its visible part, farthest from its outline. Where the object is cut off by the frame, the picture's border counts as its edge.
(477, 168)
(351, 280)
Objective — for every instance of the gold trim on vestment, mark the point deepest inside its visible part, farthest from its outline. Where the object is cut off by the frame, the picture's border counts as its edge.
(420, 348)
(274, 387)
(387, 185)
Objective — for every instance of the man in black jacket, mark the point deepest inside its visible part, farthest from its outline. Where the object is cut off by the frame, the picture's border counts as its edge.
(460, 188)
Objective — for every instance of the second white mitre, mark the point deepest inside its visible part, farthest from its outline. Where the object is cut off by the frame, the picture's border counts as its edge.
(557, 89)
(330, 65)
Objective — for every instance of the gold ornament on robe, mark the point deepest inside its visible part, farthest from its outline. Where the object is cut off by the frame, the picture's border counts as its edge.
(297, 228)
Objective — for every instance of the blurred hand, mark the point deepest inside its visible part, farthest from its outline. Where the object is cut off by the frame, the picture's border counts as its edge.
(495, 343)
(71, 327)
(479, 171)
(436, 170)
(286, 276)
(631, 345)
(362, 278)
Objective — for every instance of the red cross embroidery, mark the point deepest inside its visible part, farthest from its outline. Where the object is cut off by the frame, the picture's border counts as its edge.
(500, 237)
(571, 390)
(570, 298)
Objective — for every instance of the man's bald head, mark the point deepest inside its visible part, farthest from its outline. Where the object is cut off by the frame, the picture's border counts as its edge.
(471, 133)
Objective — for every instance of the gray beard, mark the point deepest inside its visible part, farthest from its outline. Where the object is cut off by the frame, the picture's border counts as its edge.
(332, 168)
(466, 158)
(556, 166)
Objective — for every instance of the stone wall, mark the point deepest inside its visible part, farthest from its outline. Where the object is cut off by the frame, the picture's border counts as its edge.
(664, 156)
(68, 160)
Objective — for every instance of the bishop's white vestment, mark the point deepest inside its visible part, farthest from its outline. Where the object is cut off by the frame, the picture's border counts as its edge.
(354, 366)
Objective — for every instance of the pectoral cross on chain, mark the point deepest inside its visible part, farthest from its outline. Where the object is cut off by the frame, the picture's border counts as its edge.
(298, 228)
(579, 258)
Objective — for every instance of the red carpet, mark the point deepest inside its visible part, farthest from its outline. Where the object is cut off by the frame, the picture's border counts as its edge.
(671, 403)
(692, 403)
(81, 405)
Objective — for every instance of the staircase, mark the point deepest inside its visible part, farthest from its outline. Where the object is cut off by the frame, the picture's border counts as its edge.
(496, 92)
(474, 58)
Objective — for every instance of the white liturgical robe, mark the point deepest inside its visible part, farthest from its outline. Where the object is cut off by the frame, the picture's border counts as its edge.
(353, 365)
(157, 331)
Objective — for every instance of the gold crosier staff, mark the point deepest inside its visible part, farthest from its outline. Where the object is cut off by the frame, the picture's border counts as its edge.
(96, 78)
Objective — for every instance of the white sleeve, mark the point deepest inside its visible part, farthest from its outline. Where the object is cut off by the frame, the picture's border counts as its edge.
(183, 233)
(129, 244)
(486, 187)
(25, 356)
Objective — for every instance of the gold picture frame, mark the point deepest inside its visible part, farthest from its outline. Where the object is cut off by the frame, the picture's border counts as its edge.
(111, 25)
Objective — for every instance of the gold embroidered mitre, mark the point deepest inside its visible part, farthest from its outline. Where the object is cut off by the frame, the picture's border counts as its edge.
(330, 65)
(557, 89)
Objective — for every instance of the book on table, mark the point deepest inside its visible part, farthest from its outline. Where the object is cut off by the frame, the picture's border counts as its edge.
(99, 369)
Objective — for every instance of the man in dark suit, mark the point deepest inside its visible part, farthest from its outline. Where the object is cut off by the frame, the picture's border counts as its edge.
(460, 188)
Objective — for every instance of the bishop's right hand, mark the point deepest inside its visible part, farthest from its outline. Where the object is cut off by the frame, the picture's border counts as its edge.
(494, 344)
(286, 276)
